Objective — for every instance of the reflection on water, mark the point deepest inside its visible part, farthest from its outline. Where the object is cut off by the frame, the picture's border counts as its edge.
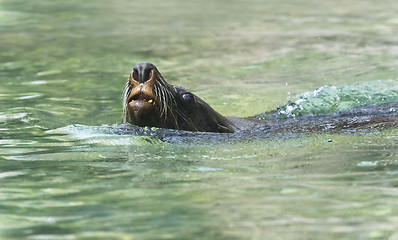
(63, 65)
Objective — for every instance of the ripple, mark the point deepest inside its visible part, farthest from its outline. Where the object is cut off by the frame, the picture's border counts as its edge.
(39, 82)
(36, 95)
(12, 116)
(11, 174)
(206, 169)
(367, 164)
(42, 82)
(49, 72)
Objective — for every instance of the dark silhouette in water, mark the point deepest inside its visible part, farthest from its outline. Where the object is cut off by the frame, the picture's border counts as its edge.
(150, 101)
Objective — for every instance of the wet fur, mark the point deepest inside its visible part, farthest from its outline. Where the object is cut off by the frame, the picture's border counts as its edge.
(173, 112)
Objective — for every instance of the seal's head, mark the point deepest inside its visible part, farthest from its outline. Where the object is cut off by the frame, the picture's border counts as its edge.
(149, 100)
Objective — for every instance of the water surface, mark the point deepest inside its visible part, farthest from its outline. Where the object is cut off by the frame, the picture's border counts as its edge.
(68, 171)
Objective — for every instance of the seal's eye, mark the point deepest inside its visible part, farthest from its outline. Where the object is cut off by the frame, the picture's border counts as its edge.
(187, 98)
(135, 74)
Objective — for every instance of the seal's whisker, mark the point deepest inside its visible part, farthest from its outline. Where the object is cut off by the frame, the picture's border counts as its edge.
(187, 120)
(126, 93)
(159, 91)
(172, 105)
(162, 89)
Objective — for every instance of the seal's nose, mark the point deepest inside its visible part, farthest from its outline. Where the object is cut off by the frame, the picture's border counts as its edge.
(142, 72)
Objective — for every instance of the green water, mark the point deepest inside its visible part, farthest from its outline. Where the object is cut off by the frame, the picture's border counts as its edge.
(328, 99)
(66, 62)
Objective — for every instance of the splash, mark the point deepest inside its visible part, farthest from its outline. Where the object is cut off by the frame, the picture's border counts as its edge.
(116, 134)
(327, 99)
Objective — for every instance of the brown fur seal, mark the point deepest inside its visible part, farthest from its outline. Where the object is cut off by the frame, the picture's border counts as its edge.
(150, 101)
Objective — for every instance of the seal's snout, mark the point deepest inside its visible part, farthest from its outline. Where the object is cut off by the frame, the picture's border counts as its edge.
(142, 72)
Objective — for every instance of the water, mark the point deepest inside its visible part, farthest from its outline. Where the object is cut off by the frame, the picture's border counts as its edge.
(68, 171)
(327, 99)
